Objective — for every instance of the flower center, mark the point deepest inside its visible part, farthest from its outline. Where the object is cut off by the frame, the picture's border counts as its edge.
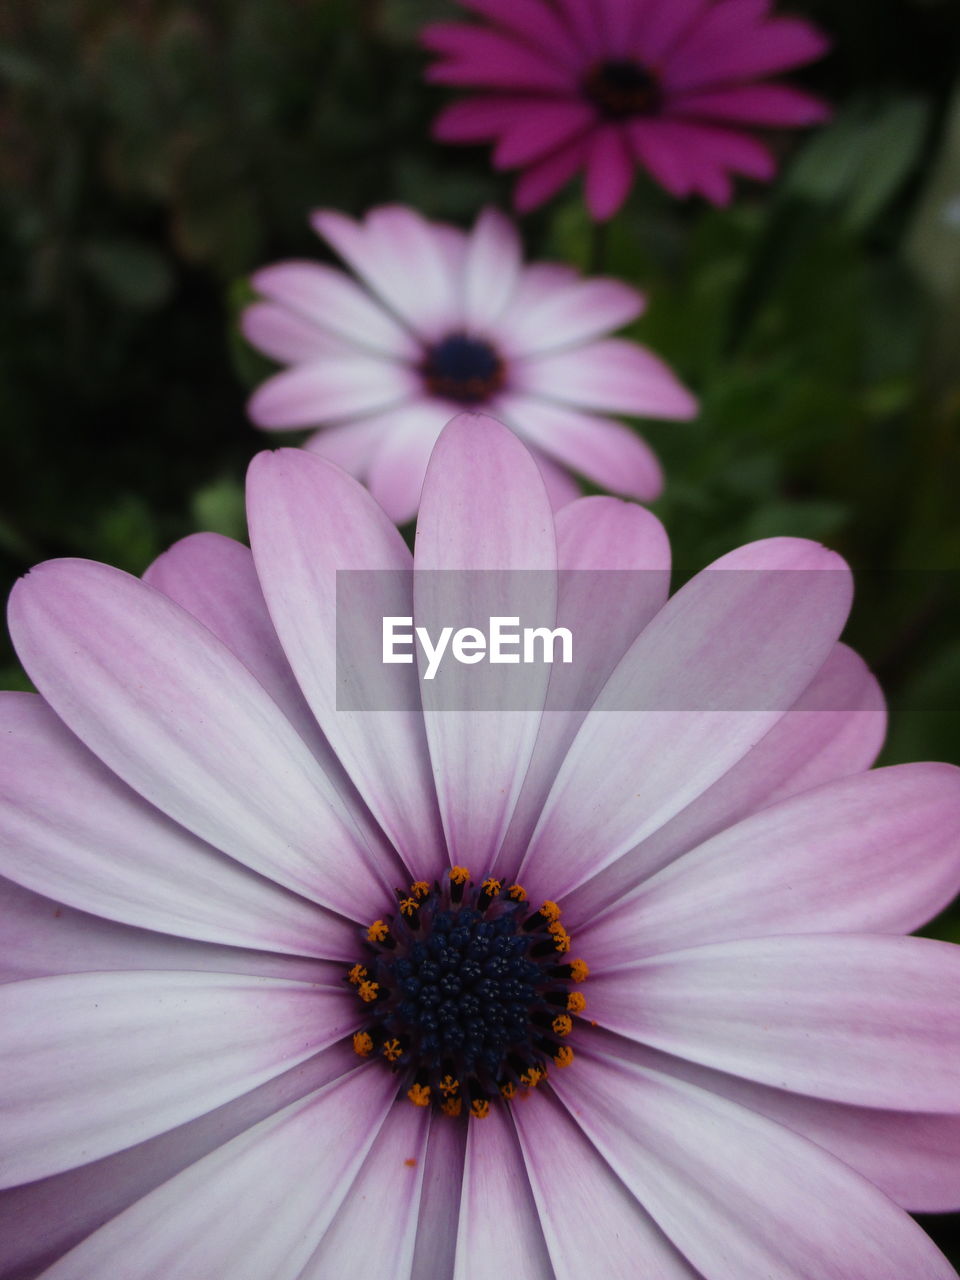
(464, 369)
(623, 88)
(466, 993)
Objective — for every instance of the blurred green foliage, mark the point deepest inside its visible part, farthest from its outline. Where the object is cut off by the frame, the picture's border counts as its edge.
(153, 152)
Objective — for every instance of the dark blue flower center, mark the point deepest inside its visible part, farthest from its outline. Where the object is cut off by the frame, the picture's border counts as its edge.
(622, 88)
(467, 993)
(461, 368)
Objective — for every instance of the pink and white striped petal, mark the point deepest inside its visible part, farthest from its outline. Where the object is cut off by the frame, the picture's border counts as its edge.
(351, 445)
(554, 310)
(484, 507)
(859, 1018)
(333, 388)
(213, 1219)
(729, 1187)
(285, 336)
(875, 853)
(400, 461)
(173, 712)
(491, 270)
(95, 1062)
(610, 376)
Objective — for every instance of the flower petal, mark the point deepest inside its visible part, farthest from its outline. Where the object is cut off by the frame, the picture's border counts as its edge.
(604, 451)
(857, 1018)
(95, 1062)
(532, 131)
(491, 269)
(352, 444)
(564, 310)
(214, 1218)
(592, 1223)
(285, 336)
(70, 829)
(400, 461)
(404, 259)
(171, 710)
(766, 105)
(535, 22)
(729, 1187)
(835, 729)
(495, 1190)
(705, 681)
(664, 22)
(483, 507)
(440, 1202)
(610, 171)
(875, 853)
(308, 522)
(476, 56)
(769, 48)
(329, 389)
(611, 376)
(545, 178)
(333, 303)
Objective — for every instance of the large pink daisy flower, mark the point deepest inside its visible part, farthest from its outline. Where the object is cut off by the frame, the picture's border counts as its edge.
(445, 320)
(644, 1007)
(604, 85)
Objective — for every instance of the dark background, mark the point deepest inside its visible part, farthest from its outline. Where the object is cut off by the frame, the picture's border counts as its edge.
(153, 153)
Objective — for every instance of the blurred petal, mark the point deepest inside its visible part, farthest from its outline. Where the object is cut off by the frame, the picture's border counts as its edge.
(328, 389)
(610, 171)
(491, 269)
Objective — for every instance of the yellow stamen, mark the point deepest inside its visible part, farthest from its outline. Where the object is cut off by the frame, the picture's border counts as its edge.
(492, 886)
(530, 1079)
(480, 1108)
(564, 1056)
(459, 875)
(357, 974)
(448, 1086)
(579, 970)
(550, 911)
(576, 1002)
(517, 892)
(419, 1095)
(420, 888)
(378, 931)
(409, 905)
(451, 1106)
(561, 939)
(508, 1090)
(367, 991)
(362, 1044)
(562, 1025)
(392, 1050)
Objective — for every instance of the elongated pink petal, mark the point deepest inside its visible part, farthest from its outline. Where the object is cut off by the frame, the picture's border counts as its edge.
(403, 258)
(729, 1187)
(352, 444)
(609, 1234)
(610, 170)
(664, 23)
(614, 561)
(43, 938)
(285, 336)
(610, 376)
(495, 1190)
(70, 829)
(330, 389)
(662, 152)
(308, 520)
(529, 133)
(491, 269)
(878, 853)
(563, 311)
(483, 507)
(535, 21)
(913, 1157)
(604, 451)
(835, 729)
(334, 304)
(440, 1202)
(478, 119)
(560, 485)
(172, 711)
(740, 642)
(391, 1179)
(581, 17)
(544, 179)
(477, 56)
(96, 1062)
(767, 105)
(858, 1018)
(770, 48)
(214, 1218)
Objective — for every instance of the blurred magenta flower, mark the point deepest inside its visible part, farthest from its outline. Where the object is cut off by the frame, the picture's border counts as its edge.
(446, 320)
(601, 86)
(753, 1072)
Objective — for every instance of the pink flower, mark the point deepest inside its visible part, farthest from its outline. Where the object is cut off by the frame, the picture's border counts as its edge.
(604, 85)
(445, 320)
(758, 1074)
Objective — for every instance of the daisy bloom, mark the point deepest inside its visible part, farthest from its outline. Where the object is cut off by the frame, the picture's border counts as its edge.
(293, 992)
(602, 86)
(441, 321)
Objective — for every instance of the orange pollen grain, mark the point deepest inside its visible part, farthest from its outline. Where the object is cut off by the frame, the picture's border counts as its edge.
(579, 970)
(562, 1025)
(392, 1050)
(378, 931)
(564, 1056)
(480, 1108)
(357, 974)
(576, 1002)
(517, 892)
(459, 875)
(367, 991)
(362, 1044)
(419, 1095)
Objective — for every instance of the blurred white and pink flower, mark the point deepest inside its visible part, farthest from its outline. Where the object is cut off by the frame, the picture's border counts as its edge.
(766, 1072)
(677, 87)
(442, 320)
